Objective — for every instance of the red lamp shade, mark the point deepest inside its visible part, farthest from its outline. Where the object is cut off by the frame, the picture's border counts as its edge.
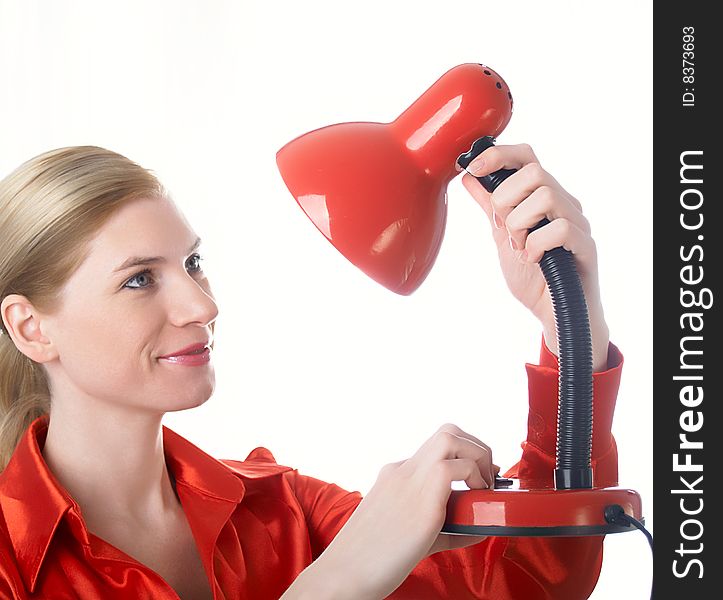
(378, 191)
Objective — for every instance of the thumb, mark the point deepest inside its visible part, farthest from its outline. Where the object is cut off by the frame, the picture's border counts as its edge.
(481, 195)
(452, 541)
(462, 541)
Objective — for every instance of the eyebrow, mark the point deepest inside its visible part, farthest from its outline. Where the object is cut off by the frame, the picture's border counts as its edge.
(135, 261)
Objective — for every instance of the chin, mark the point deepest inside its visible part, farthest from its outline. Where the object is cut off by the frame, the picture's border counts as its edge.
(186, 404)
(191, 397)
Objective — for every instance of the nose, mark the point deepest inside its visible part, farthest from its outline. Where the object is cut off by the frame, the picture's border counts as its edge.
(191, 301)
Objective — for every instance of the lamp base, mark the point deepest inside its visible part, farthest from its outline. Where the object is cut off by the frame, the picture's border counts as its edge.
(516, 511)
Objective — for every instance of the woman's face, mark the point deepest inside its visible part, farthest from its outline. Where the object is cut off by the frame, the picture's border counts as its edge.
(114, 323)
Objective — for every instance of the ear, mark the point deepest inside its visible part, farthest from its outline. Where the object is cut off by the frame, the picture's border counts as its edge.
(22, 322)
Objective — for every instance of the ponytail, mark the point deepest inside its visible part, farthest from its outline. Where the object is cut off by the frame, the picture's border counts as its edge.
(50, 209)
(24, 396)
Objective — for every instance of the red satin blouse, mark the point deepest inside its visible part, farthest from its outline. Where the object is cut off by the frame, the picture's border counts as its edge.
(258, 524)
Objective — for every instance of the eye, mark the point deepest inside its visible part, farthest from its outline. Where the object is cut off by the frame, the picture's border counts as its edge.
(196, 258)
(137, 276)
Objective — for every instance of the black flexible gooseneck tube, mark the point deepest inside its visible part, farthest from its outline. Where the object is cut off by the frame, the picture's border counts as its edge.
(574, 413)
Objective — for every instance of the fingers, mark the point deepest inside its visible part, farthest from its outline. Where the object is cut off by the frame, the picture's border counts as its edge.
(452, 428)
(458, 457)
(463, 469)
(520, 185)
(502, 157)
(563, 232)
(524, 199)
(493, 159)
(544, 202)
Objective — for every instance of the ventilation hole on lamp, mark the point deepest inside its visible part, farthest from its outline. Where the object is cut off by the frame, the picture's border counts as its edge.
(487, 72)
(499, 85)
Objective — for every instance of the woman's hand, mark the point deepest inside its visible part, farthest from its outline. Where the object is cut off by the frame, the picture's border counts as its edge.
(519, 203)
(398, 522)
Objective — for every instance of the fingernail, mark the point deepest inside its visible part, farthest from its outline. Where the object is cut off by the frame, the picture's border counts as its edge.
(497, 220)
(513, 244)
(476, 165)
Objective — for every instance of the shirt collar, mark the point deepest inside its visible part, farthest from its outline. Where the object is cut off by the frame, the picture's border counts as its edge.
(33, 502)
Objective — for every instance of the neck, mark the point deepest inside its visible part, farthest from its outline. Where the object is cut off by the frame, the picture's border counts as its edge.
(112, 463)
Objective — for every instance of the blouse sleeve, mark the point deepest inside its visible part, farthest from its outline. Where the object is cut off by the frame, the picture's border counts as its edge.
(562, 568)
(326, 507)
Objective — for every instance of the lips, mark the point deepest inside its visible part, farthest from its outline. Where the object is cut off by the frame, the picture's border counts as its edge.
(188, 350)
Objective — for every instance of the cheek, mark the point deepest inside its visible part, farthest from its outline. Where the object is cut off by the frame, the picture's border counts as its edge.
(110, 354)
(105, 349)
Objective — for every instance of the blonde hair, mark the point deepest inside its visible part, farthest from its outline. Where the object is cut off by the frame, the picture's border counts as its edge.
(50, 208)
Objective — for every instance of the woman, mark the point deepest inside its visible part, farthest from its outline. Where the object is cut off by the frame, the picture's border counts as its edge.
(108, 322)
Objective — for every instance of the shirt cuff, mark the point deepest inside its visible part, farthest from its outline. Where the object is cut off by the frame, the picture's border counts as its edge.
(543, 380)
(550, 360)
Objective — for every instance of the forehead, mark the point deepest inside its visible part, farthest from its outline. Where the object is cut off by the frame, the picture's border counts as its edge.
(146, 226)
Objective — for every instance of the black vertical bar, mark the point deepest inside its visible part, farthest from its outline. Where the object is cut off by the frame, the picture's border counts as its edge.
(687, 296)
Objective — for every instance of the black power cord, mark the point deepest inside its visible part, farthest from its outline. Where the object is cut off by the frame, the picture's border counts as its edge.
(615, 515)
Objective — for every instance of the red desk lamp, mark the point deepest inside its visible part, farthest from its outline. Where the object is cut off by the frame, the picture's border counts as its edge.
(378, 193)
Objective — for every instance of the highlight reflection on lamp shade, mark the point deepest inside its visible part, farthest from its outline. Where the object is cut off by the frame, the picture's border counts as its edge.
(378, 191)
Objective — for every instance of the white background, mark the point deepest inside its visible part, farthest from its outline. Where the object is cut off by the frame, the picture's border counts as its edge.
(333, 373)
